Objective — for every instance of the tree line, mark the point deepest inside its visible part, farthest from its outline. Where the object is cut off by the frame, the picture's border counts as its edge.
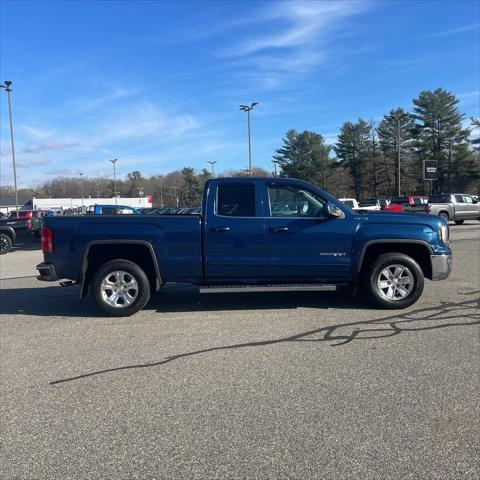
(362, 163)
(366, 157)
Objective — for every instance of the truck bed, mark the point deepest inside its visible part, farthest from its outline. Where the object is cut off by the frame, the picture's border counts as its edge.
(175, 239)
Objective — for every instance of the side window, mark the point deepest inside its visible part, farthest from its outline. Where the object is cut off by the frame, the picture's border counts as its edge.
(236, 200)
(467, 199)
(290, 201)
(459, 198)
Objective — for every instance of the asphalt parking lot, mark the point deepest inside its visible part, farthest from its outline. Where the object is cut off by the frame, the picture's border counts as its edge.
(247, 386)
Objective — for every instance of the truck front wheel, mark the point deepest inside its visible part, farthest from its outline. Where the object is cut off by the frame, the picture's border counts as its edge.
(394, 280)
(120, 288)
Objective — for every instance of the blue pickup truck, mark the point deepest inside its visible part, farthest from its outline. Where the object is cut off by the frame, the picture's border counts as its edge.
(253, 234)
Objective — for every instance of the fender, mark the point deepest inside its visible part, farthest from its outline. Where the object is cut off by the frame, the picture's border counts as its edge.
(388, 240)
(84, 264)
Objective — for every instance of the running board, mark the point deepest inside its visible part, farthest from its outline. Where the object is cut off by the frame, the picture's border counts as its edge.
(301, 287)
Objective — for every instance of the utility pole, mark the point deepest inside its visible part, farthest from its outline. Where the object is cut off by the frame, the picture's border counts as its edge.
(248, 109)
(114, 161)
(7, 88)
(81, 186)
(274, 169)
(212, 163)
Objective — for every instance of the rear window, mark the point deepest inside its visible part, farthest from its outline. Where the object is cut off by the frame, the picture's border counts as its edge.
(236, 200)
(368, 202)
(439, 199)
(400, 200)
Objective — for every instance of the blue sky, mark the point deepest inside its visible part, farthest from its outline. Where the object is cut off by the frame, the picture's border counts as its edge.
(158, 84)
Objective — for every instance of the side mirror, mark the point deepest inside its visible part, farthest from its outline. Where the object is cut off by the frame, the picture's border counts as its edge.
(333, 211)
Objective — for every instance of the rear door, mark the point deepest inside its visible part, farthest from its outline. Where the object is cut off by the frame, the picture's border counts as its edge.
(461, 208)
(470, 207)
(302, 243)
(233, 232)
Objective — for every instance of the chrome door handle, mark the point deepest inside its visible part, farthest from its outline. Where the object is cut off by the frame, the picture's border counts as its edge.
(220, 229)
(278, 229)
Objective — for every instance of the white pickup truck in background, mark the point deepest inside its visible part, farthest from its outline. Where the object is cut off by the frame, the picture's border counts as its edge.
(455, 207)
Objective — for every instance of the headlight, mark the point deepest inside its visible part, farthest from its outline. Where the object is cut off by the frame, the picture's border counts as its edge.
(444, 234)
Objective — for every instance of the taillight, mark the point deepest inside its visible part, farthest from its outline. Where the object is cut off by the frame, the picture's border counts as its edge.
(47, 239)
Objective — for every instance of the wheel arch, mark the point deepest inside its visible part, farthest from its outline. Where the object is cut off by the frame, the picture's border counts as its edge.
(419, 250)
(98, 252)
(10, 232)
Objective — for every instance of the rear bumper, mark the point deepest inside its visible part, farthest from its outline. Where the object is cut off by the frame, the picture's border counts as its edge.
(47, 272)
(441, 266)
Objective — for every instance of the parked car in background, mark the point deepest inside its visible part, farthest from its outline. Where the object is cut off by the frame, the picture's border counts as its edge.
(454, 207)
(21, 214)
(112, 210)
(254, 234)
(350, 202)
(14, 230)
(392, 207)
(411, 203)
(372, 204)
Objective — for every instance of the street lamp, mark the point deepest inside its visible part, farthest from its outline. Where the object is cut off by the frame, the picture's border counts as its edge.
(247, 109)
(114, 161)
(6, 86)
(212, 163)
(81, 186)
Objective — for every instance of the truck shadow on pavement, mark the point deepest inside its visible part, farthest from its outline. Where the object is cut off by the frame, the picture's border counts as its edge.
(65, 302)
(443, 315)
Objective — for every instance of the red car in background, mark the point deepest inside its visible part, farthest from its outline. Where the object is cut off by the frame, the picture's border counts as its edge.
(409, 203)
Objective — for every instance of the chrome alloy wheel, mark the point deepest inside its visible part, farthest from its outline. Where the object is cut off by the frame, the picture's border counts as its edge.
(395, 282)
(119, 289)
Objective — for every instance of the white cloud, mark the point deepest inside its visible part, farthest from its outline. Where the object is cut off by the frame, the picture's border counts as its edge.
(453, 31)
(33, 162)
(290, 39)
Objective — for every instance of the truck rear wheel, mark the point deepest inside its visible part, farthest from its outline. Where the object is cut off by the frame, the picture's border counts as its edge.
(444, 216)
(5, 244)
(394, 280)
(120, 288)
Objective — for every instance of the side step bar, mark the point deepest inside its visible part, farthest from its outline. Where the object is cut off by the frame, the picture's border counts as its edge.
(302, 287)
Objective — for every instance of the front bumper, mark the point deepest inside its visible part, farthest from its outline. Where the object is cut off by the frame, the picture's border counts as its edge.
(441, 266)
(47, 272)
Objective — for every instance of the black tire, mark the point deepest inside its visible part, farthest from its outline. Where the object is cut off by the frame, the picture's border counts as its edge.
(374, 274)
(459, 222)
(104, 300)
(5, 243)
(444, 216)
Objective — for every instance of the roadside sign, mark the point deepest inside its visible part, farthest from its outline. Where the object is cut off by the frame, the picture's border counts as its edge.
(430, 170)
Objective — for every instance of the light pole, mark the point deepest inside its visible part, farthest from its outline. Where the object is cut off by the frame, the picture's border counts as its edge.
(114, 161)
(212, 163)
(7, 88)
(398, 155)
(248, 109)
(81, 186)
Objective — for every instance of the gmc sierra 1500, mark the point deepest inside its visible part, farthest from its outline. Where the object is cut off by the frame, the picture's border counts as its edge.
(254, 234)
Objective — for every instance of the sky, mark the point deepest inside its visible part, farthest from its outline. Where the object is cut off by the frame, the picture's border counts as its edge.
(158, 84)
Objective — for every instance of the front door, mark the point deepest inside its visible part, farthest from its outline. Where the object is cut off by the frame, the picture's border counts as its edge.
(303, 243)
